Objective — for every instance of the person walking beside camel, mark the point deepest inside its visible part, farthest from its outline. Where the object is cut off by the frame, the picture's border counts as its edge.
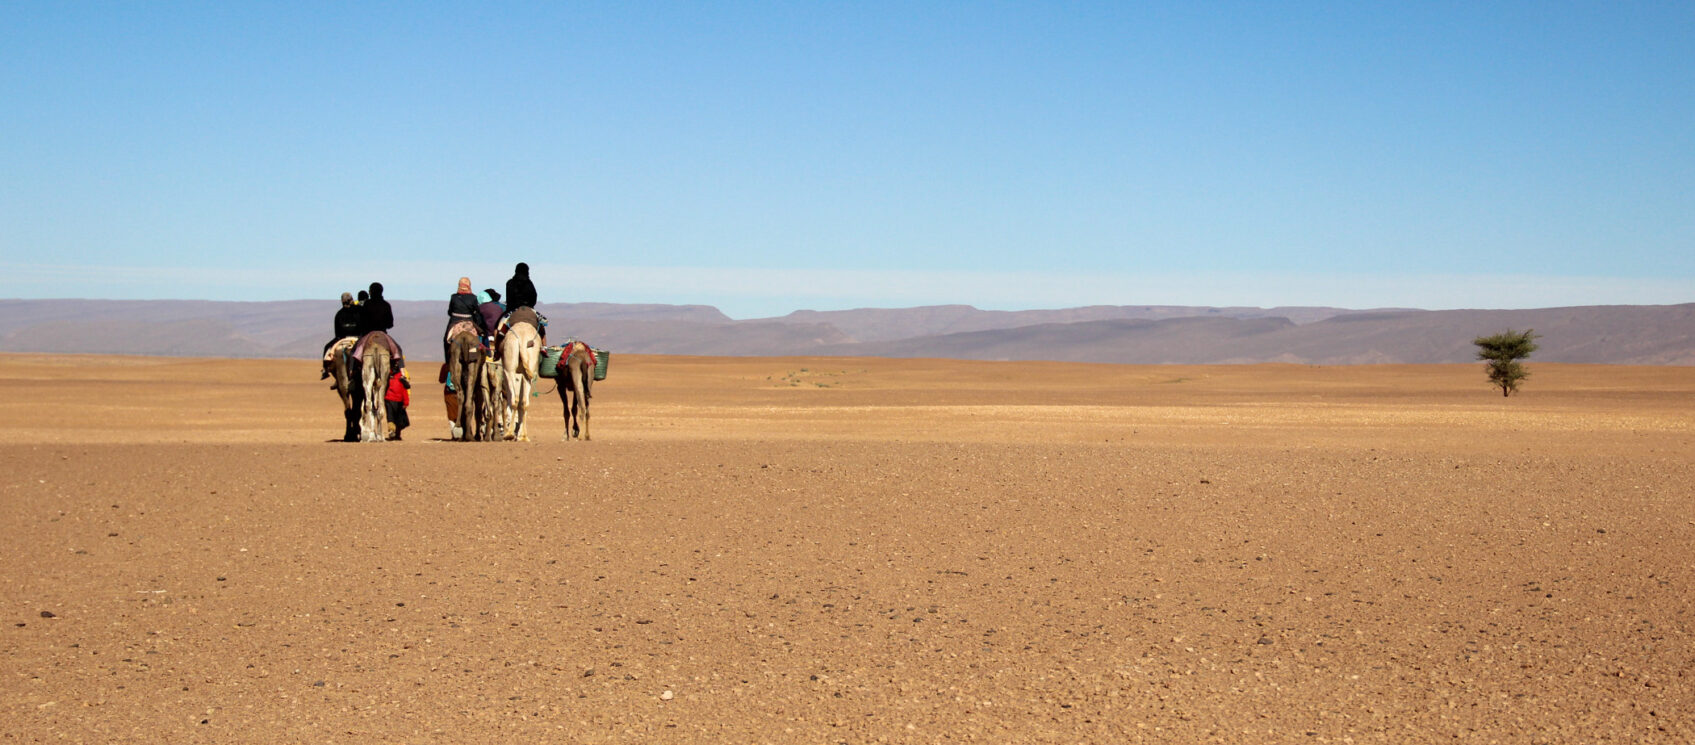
(396, 399)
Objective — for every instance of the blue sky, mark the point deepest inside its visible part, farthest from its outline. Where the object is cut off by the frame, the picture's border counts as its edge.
(767, 157)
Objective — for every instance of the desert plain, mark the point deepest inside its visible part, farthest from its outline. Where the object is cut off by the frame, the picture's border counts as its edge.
(853, 550)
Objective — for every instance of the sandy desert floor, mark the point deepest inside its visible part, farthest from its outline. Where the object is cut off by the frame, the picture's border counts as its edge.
(852, 551)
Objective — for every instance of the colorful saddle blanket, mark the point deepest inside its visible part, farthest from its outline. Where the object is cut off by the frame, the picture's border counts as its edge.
(466, 327)
(341, 345)
(393, 347)
(566, 350)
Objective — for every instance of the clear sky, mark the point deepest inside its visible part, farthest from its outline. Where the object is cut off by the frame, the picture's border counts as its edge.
(767, 157)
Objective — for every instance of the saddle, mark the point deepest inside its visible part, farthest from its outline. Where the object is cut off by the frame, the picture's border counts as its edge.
(465, 327)
(341, 345)
(521, 315)
(393, 347)
(594, 357)
(525, 315)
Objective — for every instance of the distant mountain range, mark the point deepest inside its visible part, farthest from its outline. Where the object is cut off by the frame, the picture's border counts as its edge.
(1618, 334)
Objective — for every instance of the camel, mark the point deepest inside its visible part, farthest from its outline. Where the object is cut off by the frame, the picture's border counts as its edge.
(576, 383)
(465, 364)
(491, 401)
(373, 422)
(347, 385)
(520, 357)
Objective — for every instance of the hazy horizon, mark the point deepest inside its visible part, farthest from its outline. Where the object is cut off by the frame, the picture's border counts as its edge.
(547, 301)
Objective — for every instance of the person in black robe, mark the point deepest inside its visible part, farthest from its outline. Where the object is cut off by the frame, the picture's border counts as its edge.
(521, 294)
(376, 315)
(520, 291)
(347, 318)
(346, 324)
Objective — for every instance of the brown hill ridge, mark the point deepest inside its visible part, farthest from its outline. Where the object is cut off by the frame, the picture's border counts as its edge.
(1624, 334)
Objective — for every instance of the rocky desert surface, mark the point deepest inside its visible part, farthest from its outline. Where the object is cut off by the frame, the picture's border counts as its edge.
(853, 550)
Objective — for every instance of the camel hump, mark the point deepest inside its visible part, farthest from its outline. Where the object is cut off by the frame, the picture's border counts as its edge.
(462, 327)
(376, 337)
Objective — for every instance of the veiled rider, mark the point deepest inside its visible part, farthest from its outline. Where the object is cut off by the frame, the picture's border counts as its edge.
(521, 296)
(461, 307)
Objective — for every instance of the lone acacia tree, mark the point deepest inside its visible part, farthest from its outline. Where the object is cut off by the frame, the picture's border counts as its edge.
(1503, 351)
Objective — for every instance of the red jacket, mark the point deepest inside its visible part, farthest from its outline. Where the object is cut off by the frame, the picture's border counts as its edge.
(397, 391)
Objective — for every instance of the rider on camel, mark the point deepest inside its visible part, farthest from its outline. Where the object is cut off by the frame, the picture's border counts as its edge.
(346, 324)
(490, 309)
(461, 307)
(376, 315)
(520, 295)
(520, 291)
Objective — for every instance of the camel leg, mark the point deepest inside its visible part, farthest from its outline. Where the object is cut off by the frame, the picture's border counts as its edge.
(478, 391)
(460, 420)
(505, 403)
(476, 419)
(467, 398)
(574, 422)
(580, 400)
(510, 403)
(379, 407)
(565, 400)
(467, 413)
(522, 396)
(491, 397)
(485, 398)
(585, 378)
(367, 420)
(352, 396)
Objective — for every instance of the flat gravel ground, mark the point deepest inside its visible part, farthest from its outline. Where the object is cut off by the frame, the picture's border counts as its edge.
(854, 550)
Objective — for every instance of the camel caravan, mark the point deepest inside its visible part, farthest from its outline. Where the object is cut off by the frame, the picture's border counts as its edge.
(493, 353)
